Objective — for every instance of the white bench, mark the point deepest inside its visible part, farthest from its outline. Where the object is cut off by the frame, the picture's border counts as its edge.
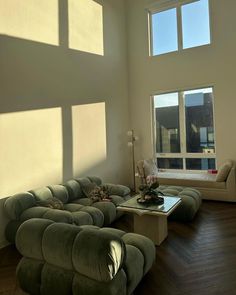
(220, 186)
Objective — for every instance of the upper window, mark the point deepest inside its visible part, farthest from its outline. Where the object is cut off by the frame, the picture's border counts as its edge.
(179, 27)
(184, 130)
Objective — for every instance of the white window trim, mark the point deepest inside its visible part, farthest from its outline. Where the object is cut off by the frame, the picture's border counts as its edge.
(183, 154)
(168, 4)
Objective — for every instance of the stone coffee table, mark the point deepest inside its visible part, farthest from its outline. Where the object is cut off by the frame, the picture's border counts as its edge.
(151, 220)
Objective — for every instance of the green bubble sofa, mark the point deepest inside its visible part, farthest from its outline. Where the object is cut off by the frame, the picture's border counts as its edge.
(190, 202)
(78, 209)
(62, 259)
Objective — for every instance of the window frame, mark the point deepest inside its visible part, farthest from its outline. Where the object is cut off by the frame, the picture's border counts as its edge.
(182, 129)
(166, 5)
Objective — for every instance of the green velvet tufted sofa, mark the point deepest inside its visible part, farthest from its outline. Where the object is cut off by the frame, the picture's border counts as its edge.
(62, 259)
(78, 209)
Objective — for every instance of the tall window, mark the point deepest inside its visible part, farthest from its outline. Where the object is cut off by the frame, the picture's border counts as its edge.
(184, 130)
(179, 26)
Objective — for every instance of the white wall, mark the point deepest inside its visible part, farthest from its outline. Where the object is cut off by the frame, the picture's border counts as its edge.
(197, 67)
(37, 76)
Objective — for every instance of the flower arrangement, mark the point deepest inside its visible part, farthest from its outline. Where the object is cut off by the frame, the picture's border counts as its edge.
(148, 192)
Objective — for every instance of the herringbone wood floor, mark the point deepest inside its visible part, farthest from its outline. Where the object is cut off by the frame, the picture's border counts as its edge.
(196, 258)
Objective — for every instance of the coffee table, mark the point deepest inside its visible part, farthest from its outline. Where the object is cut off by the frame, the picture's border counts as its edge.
(151, 220)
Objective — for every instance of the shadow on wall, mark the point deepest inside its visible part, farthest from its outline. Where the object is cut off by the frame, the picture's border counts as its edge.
(34, 149)
(51, 73)
(46, 86)
(39, 68)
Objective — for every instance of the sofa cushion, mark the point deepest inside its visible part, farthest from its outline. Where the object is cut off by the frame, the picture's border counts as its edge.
(74, 190)
(190, 201)
(108, 209)
(42, 194)
(29, 273)
(82, 218)
(86, 185)
(190, 179)
(86, 286)
(59, 192)
(134, 265)
(34, 212)
(57, 244)
(145, 246)
(117, 200)
(96, 215)
(84, 201)
(54, 280)
(51, 203)
(16, 204)
(224, 171)
(117, 189)
(73, 207)
(29, 237)
(58, 216)
(102, 264)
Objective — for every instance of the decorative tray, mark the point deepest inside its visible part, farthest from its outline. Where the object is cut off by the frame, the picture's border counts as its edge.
(151, 201)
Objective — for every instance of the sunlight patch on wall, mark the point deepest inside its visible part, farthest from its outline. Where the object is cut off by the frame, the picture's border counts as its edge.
(86, 26)
(31, 150)
(35, 20)
(89, 136)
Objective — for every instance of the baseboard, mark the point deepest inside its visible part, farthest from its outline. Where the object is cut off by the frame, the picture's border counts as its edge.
(3, 244)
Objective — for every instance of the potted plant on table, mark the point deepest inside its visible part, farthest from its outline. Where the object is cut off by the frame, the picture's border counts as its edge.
(148, 192)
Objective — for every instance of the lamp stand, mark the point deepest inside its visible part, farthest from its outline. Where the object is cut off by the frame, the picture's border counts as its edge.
(131, 142)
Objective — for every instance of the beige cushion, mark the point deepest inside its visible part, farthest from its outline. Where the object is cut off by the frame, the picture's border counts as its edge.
(206, 180)
(188, 176)
(163, 180)
(224, 171)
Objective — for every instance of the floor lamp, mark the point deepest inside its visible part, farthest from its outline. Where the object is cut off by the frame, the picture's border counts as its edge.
(131, 141)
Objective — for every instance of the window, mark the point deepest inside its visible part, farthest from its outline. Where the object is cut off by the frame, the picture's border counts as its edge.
(180, 27)
(184, 130)
(165, 33)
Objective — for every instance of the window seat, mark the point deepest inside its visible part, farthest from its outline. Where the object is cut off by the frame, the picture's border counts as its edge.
(191, 179)
(220, 186)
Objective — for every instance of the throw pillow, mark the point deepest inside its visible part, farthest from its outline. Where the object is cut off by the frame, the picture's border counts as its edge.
(95, 192)
(224, 171)
(51, 203)
(99, 193)
(87, 188)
